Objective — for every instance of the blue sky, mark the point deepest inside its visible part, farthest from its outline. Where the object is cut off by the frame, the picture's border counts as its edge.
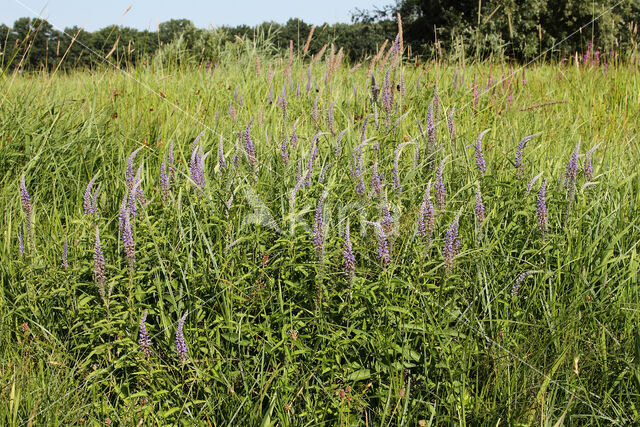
(147, 14)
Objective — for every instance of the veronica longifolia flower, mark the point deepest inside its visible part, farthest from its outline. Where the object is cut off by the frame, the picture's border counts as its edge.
(181, 347)
(347, 252)
(519, 280)
(541, 209)
(383, 246)
(451, 244)
(318, 228)
(480, 163)
(129, 176)
(89, 201)
(571, 174)
(99, 270)
(249, 147)
(426, 220)
(441, 191)
(588, 166)
(143, 337)
(479, 209)
(65, 252)
(519, 153)
(25, 199)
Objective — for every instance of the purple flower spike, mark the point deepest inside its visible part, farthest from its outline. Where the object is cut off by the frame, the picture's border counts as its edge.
(143, 337)
(519, 153)
(387, 221)
(376, 179)
(479, 206)
(25, 199)
(571, 174)
(284, 153)
(283, 102)
(431, 127)
(542, 208)
(519, 280)
(318, 228)
(128, 242)
(330, 118)
(314, 111)
(222, 163)
(181, 347)
(164, 180)
(129, 176)
(88, 202)
(294, 136)
(338, 147)
(347, 252)
(532, 182)
(452, 127)
(441, 191)
(588, 166)
(65, 251)
(374, 89)
(383, 246)
(480, 164)
(426, 221)
(451, 244)
(323, 173)
(99, 270)
(249, 148)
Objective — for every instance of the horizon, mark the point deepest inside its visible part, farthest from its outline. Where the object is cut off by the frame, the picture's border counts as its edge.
(147, 15)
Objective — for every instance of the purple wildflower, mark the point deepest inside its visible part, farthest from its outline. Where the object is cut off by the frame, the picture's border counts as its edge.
(542, 208)
(249, 147)
(65, 251)
(374, 89)
(196, 167)
(383, 246)
(284, 153)
(294, 136)
(363, 130)
(283, 102)
(482, 167)
(431, 128)
(588, 166)
(181, 347)
(451, 244)
(519, 153)
(519, 280)
(330, 118)
(441, 191)
(347, 252)
(387, 221)
(426, 221)
(338, 147)
(129, 176)
(479, 206)
(88, 202)
(571, 174)
(143, 337)
(452, 127)
(99, 270)
(314, 111)
(436, 101)
(26, 200)
(128, 242)
(532, 182)
(323, 173)
(132, 206)
(318, 228)
(222, 163)
(164, 180)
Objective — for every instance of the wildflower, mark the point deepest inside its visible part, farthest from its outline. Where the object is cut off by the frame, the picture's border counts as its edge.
(376, 179)
(294, 135)
(383, 246)
(479, 206)
(222, 163)
(330, 118)
(571, 174)
(181, 346)
(323, 173)
(99, 270)
(25, 199)
(318, 228)
(519, 280)
(542, 208)
(452, 127)
(128, 242)
(143, 337)
(338, 147)
(88, 203)
(451, 244)
(284, 154)
(482, 167)
(347, 252)
(249, 147)
(441, 191)
(314, 111)
(519, 153)
(387, 221)
(588, 166)
(532, 182)
(164, 180)
(426, 220)
(65, 251)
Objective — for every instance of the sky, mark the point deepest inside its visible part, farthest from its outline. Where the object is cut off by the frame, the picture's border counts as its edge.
(147, 14)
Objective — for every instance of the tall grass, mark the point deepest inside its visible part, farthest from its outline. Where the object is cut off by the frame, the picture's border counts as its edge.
(277, 334)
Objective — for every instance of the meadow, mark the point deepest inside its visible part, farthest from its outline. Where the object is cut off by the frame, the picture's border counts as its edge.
(298, 241)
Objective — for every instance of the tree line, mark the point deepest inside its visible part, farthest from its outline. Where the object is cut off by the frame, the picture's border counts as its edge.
(451, 29)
